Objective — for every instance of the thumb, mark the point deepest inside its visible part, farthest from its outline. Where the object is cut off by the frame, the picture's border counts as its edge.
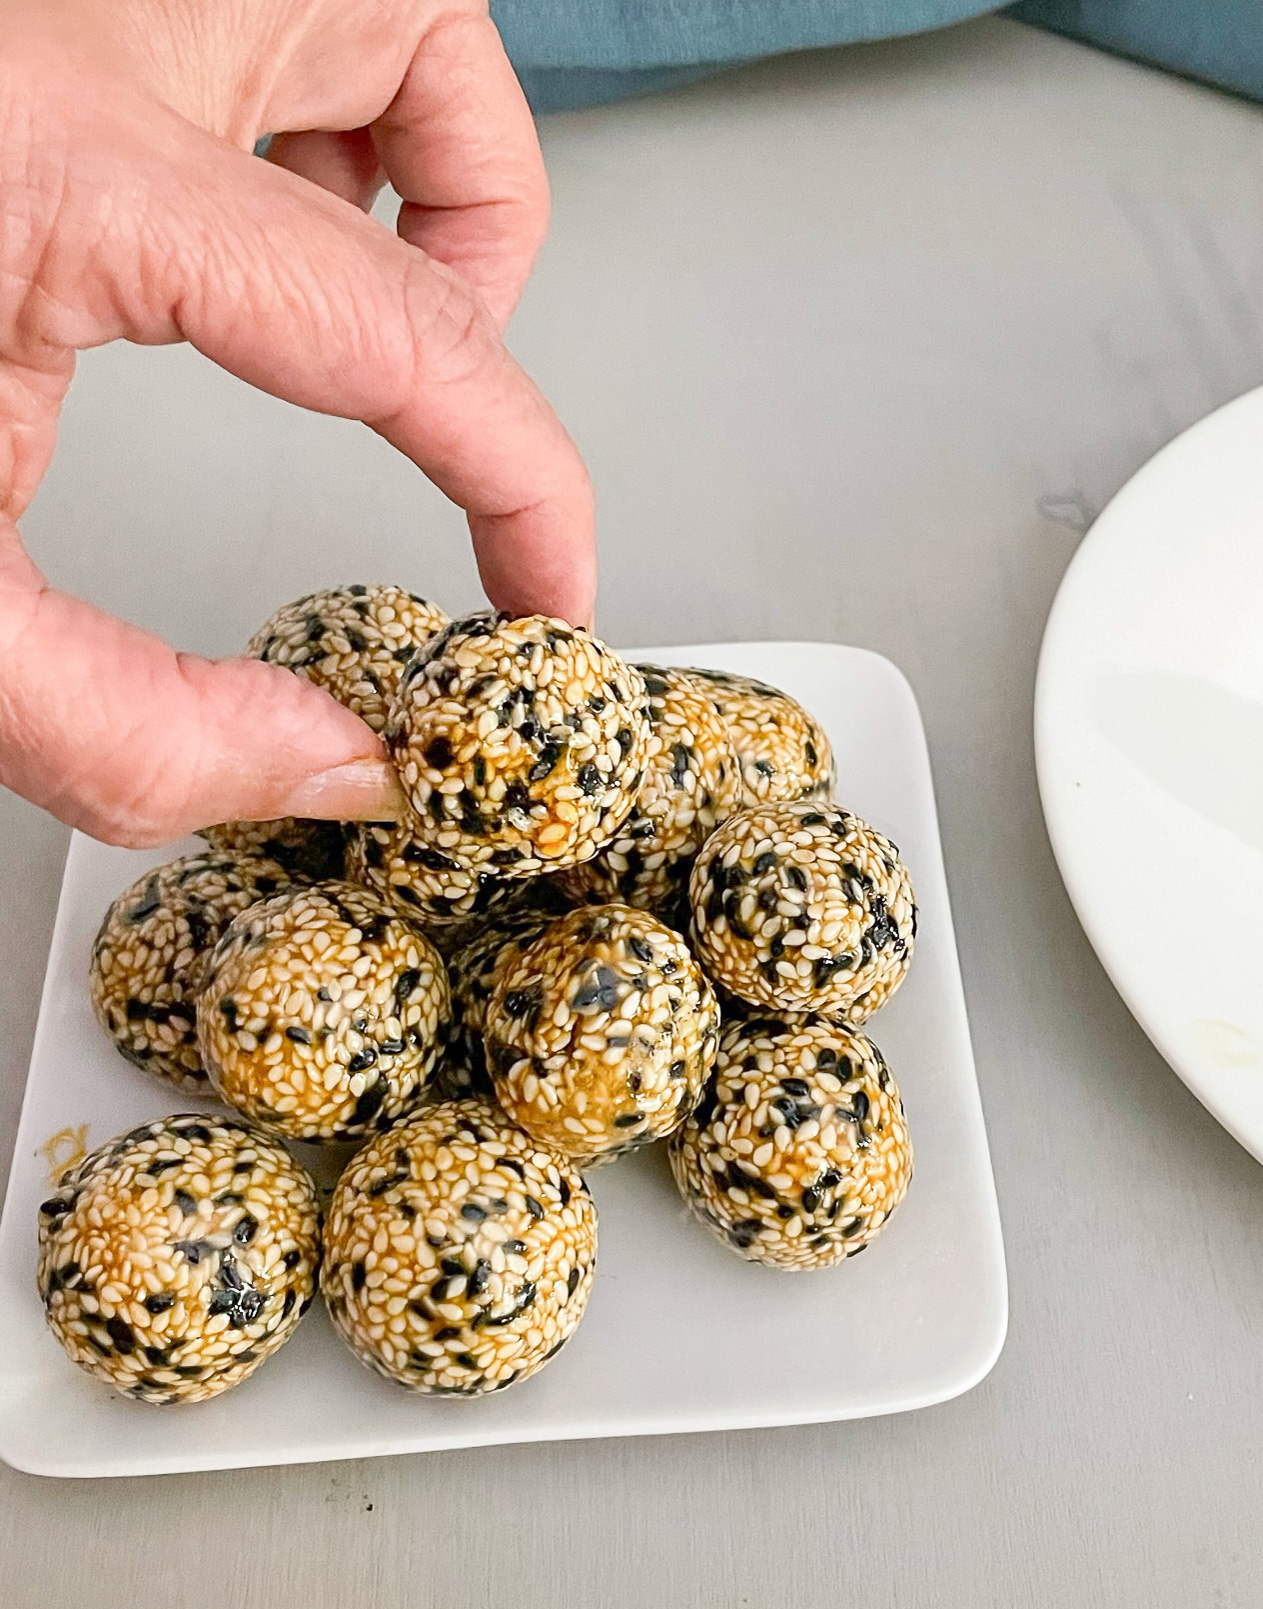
(116, 733)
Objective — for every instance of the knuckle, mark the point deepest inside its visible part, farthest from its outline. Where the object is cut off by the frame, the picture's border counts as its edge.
(453, 332)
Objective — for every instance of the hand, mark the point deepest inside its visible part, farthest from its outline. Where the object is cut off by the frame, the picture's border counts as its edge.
(131, 206)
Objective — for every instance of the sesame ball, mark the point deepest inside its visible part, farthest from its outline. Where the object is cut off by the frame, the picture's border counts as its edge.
(355, 642)
(692, 783)
(396, 860)
(520, 743)
(322, 1013)
(175, 1259)
(149, 954)
(601, 1033)
(802, 907)
(310, 851)
(798, 1153)
(782, 751)
(459, 1253)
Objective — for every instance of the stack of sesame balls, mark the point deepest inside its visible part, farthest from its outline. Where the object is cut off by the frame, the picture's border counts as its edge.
(620, 907)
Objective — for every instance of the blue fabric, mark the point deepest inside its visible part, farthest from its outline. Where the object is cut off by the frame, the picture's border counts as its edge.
(619, 35)
(580, 52)
(1220, 41)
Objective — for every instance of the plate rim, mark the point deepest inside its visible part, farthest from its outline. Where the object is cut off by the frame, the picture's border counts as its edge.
(1053, 796)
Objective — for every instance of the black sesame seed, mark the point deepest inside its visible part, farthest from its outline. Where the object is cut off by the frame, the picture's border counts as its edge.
(628, 1120)
(121, 1333)
(370, 1102)
(602, 989)
(533, 1207)
(438, 754)
(63, 1276)
(405, 983)
(547, 762)
(149, 903)
(358, 1275)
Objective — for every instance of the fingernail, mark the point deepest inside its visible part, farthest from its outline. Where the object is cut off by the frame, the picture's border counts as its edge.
(360, 790)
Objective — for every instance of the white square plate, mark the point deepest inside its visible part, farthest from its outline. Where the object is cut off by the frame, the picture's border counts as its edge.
(679, 1333)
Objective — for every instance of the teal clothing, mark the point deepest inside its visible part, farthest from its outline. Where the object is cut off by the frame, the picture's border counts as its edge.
(572, 53)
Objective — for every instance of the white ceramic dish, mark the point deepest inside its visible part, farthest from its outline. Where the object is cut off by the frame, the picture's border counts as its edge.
(1149, 739)
(679, 1334)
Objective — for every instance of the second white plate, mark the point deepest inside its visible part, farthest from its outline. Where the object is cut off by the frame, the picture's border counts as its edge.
(679, 1333)
(1149, 739)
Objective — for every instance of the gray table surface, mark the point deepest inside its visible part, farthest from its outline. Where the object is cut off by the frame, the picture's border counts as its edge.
(856, 345)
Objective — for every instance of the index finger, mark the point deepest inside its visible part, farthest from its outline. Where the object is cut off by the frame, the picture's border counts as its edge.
(458, 144)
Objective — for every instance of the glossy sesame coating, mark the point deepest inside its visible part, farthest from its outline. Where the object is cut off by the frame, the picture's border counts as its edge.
(310, 851)
(322, 1013)
(601, 1033)
(520, 743)
(175, 1259)
(355, 642)
(692, 783)
(459, 1253)
(802, 907)
(149, 953)
(394, 858)
(782, 751)
(798, 1152)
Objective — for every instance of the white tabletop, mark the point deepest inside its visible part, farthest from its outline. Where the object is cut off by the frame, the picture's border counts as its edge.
(855, 346)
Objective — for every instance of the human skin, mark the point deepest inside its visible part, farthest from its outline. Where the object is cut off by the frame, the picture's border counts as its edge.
(132, 207)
